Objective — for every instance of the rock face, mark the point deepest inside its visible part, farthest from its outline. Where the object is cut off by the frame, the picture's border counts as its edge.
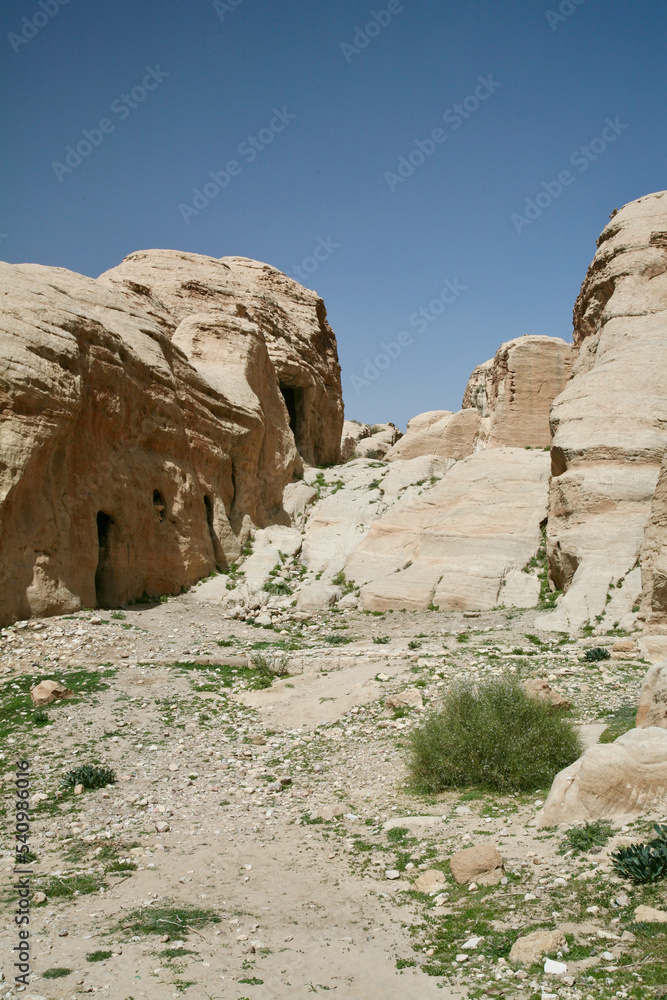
(652, 709)
(654, 555)
(126, 466)
(610, 422)
(615, 781)
(464, 543)
(506, 403)
(238, 295)
(514, 391)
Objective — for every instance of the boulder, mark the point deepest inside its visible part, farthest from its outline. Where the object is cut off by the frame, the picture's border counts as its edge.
(452, 435)
(652, 709)
(367, 440)
(649, 915)
(430, 881)
(615, 781)
(144, 434)
(456, 543)
(47, 692)
(318, 595)
(482, 864)
(531, 947)
(537, 687)
(410, 698)
(610, 422)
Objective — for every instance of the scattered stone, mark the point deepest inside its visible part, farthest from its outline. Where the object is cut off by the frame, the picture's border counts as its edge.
(47, 692)
(162, 826)
(410, 698)
(392, 874)
(650, 915)
(483, 864)
(553, 968)
(430, 881)
(537, 687)
(531, 947)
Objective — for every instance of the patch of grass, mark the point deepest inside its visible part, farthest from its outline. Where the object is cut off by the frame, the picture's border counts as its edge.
(339, 640)
(413, 644)
(492, 735)
(581, 838)
(165, 919)
(619, 722)
(265, 670)
(463, 637)
(120, 866)
(89, 776)
(67, 886)
(398, 834)
(98, 956)
(280, 588)
(56, 973)
(381, 640)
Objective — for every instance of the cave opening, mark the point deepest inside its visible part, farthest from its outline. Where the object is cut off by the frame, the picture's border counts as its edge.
(103, 572)
(291, 398)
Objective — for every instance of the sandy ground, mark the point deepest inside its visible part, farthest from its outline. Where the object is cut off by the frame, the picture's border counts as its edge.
(279, 893)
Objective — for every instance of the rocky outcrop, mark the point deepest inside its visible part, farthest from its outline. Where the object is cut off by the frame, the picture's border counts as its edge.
(654, 556)
(463, 544)
(506, 403)
(610, 422)
(367, 440)
(514, 391)
(652, 709)
(616, 781)
(235, 295)
(127, 466)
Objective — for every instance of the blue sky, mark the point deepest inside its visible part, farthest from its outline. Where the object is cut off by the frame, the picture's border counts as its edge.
(339, 111)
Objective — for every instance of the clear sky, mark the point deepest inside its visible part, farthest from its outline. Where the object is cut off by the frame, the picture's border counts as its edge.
(314, 105)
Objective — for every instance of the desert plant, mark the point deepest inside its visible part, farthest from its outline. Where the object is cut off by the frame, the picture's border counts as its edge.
(643, 862)
(596, 653)
(266, 670)
(582, 838)
(491, 735)
(90, 776)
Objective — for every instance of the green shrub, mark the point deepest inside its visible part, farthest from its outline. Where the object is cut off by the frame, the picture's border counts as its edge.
(643, 862)
(381, 640)
(582, 838)
(596, 653)
(491, 735)
(265, 670)
(89, 776)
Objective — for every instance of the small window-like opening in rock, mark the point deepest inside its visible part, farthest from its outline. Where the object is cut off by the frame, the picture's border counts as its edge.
(290, 395)
(158, 503)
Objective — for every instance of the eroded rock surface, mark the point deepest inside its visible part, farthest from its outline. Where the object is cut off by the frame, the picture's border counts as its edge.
(610, 422)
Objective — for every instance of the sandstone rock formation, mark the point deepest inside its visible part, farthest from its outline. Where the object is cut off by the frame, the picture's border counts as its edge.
(616, 781)
(464, 543)
(128, 467)
(367, 440)
(610, 422)
(514, 391)
(506, 402)
(237, 295)
(654, 555)
(652, 709)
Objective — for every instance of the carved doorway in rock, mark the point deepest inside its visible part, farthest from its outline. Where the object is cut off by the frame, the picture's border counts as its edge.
(104, 571)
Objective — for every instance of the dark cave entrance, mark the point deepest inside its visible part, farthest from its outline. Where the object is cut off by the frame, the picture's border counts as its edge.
(104, 569)
(292, 397)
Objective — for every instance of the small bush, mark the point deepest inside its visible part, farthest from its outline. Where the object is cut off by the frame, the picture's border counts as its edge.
(413, 644)
(266, 670)
(56, 973)
(98, 956)
(491, 735)
(89, 776)
(643, 862)
(582, 838)
(596, 653)
(381, 640)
